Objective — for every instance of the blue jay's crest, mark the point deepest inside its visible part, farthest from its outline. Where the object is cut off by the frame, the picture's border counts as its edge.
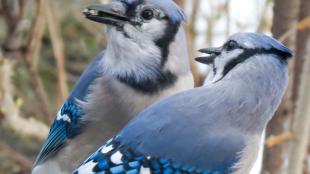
(260, 41)
(115, 158)
(172, 10)
(238, 49)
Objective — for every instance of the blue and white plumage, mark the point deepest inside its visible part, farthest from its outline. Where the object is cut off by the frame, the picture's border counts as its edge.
(69, 120)
(216, 128)
(114, 157)
(146, 59)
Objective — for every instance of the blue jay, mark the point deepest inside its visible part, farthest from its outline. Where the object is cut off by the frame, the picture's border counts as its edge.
(146, 59)
(214, 129)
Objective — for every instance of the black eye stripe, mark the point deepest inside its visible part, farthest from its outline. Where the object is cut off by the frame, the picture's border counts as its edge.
(251, 52)
(241, 58)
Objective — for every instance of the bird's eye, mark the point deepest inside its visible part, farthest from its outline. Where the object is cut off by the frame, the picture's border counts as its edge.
(231, 45)
(147, 14)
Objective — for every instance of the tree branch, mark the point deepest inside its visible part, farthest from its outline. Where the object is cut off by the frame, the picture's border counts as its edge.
(19, 158)
(58, 49)
(32, 56)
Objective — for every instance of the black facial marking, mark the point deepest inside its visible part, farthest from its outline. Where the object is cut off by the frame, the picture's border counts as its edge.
(131, 7)
(150, 86)
(163, 79)
(164, 42)
(247, 53)
(231, 45)
(214, 68)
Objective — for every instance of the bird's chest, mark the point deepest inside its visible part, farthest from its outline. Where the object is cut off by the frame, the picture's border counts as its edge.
(248, 156)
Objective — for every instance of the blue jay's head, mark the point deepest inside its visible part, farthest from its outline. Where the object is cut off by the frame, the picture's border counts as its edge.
(146, 44)
(150, 19)
(240, 47)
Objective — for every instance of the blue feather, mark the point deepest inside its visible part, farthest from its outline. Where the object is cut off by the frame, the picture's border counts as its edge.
(132, 162)
(61, 130)
(69, 122)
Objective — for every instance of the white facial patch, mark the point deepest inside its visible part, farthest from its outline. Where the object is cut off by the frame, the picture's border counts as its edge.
(155, 28)
(137, 56)
(222, 60)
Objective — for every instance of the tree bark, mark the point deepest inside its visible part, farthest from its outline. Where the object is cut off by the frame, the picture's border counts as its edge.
(302, 49)
(285, 16)
(298, 147)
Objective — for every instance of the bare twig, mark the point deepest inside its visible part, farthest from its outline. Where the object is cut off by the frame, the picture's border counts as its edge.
(1, 9)
(302, 25)
(273, 140)
(58, 49)
(13, 14)
(32, 56)
(19, 158)
(9, 108)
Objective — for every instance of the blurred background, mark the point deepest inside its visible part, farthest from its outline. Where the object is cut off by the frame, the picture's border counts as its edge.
(45, 45)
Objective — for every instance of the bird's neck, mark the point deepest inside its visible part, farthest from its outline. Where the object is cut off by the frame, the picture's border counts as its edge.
(258, 87)
(143, 66)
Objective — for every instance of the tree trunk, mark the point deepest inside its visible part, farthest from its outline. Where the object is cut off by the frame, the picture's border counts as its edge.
(285, 16)
(298, 149)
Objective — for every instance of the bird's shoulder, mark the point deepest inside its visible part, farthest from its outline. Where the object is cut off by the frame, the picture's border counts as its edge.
(183, 127)
(69, 120)
(67, 124)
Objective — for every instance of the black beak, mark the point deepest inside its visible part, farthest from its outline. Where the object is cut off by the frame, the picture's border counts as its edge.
(106, 13)
(213, 53)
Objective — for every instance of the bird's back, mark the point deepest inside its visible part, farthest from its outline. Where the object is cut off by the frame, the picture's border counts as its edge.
(217, 120)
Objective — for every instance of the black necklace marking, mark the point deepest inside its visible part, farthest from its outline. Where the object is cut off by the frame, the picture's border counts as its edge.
(164, 42)
(282, 56)
(163, 78)
(150, 86)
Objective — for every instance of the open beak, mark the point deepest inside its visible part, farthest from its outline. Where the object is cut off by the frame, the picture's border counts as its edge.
(105, 13)
(213, 53)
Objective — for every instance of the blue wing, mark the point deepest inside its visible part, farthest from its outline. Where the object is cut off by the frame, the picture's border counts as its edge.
(68, 122)
(117, 158)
